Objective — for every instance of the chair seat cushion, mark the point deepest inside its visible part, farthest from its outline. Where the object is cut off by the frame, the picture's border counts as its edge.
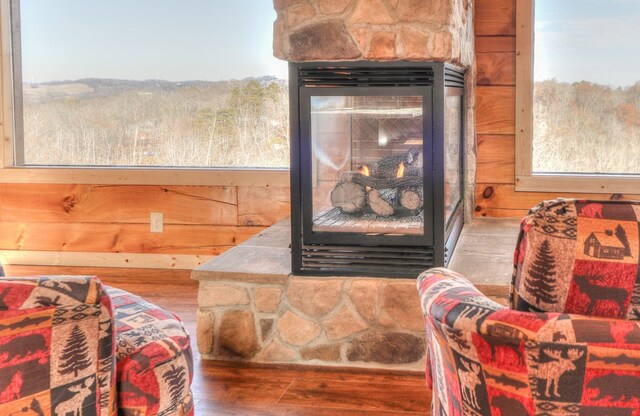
(154, 358)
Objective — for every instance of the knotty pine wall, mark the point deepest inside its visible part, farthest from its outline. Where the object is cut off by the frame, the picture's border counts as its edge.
(495, 28)
(108, 225)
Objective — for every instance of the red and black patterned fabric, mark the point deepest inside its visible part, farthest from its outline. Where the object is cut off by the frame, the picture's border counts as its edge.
(154, 358)
(579, 256)
(56, 347)
(71, 346)
(570, 342)
(486, 359)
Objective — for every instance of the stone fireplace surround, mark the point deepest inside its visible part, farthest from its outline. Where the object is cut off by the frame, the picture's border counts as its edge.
(249, 305)
(385, 30)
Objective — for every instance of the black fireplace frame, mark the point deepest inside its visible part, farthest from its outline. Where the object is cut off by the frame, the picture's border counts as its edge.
(357, 254)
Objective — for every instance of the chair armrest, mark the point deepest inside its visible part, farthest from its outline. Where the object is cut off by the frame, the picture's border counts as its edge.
(473, 339)
(45, 291)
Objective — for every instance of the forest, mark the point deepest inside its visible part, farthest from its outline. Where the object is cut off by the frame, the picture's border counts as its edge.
(101, 122)
(579, 127)
(585, 127)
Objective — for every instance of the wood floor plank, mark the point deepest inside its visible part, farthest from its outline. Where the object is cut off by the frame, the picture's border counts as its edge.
(356, 395)
(208, 408)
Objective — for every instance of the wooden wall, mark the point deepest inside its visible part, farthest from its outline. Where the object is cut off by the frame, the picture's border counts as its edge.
(108, 225)
(495, 28)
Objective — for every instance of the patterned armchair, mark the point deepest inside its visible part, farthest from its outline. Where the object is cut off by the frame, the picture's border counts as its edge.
(569, 344)
(69, 345)
(56, 347)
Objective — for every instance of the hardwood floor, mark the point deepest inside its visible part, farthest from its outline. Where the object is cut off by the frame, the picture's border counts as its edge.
(223, 388)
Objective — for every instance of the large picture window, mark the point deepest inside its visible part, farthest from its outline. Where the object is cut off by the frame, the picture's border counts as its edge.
(578, 95)
(149, 83)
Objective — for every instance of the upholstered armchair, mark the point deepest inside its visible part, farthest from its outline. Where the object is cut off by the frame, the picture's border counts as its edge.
(56, 347)
(568, 344)
(69, 345)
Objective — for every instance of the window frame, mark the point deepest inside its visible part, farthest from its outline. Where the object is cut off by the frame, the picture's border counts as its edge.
(10, 172)
(526, 179)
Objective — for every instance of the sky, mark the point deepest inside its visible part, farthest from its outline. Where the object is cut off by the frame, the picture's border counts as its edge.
(171, 40)
(592, 40)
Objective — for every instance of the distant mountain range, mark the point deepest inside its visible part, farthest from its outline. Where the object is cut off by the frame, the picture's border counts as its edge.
(153, 83)
(92, 87)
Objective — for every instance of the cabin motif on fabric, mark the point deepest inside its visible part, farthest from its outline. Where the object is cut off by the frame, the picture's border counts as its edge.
(579, 256)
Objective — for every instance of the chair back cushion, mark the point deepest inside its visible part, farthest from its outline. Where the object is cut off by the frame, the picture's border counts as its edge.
(579, 256)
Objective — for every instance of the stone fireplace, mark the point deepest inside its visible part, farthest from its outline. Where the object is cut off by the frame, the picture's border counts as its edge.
(251, 307)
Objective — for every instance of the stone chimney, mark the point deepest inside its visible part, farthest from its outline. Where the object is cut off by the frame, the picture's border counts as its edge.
(374, 30)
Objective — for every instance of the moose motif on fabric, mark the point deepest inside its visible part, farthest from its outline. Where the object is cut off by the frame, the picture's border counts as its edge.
(469, 376)
(551, 371)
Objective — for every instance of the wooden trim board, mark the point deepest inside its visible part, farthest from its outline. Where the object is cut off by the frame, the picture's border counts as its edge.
(90, 259)
(144, 176)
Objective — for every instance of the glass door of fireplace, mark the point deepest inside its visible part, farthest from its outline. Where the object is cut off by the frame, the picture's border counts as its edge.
(365, 163)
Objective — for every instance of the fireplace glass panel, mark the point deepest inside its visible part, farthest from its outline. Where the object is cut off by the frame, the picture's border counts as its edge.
(452, 155)
(367, 164)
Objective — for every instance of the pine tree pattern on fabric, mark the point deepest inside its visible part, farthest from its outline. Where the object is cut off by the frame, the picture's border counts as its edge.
(622, 236)
(176, 380)
(75, 356)
(542, 284)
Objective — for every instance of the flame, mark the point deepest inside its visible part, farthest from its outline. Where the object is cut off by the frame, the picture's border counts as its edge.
(365, 170)
(400, 173)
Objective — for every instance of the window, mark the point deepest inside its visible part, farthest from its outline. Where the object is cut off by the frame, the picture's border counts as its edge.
(578, 96)
(145, 84)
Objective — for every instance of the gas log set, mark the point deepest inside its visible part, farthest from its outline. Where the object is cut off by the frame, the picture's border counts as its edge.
(391, 186)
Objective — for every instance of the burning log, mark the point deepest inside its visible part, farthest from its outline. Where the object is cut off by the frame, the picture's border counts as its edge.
(381, 183)
(387, 167)
(411, 198)
(382, 202)
(350, 197)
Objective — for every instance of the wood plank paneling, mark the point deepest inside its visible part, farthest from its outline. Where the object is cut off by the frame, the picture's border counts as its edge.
(108, 225)
(118, 203)
(487, 44)
(496, 68)
(503, 200)
(495, 17)
(495, 111)
(122, 238)
(263, 205)
(496, 159)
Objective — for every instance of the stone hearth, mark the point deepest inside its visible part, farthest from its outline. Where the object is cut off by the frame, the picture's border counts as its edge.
(251, 308)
